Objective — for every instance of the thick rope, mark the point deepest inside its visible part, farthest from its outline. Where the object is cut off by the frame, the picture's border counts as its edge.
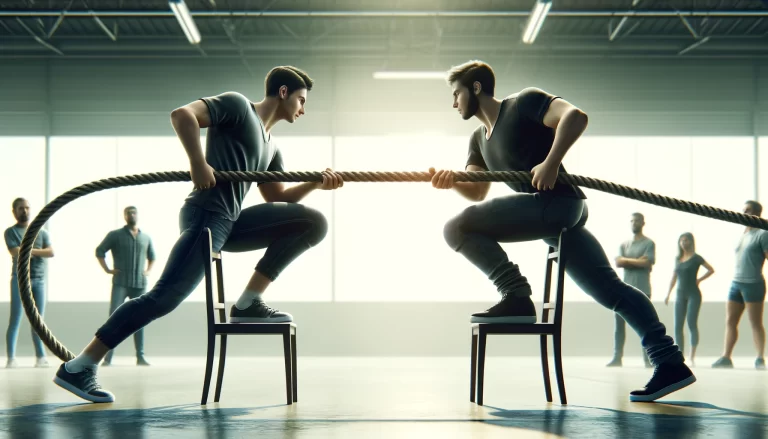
(25, 251)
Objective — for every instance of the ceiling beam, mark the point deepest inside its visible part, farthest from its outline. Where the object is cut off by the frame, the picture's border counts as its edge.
(59, 20)
(37, 38)
(394, 13)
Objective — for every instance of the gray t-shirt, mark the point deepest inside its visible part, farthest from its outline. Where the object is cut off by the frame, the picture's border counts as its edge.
(750, 256)
(639, 278)
(38, 265)
(519, 140)
(235, 141)
(687, 273)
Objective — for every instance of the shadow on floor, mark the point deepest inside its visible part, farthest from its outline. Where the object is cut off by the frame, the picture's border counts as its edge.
(84, 421)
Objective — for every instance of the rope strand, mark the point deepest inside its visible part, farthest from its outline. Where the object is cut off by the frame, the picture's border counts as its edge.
(25, 250)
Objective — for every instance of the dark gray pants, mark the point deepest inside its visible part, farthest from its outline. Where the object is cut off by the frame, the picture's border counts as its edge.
(286, 230)
(478, 230)
(119, 294)
(620, 336)
(687, 307)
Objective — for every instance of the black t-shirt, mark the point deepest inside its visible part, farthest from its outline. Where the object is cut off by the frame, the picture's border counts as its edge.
(687, 273)
(519, 140)
(236, 141)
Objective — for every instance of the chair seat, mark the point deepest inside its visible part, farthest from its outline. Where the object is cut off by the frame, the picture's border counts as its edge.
(514, 328)
(255, 328)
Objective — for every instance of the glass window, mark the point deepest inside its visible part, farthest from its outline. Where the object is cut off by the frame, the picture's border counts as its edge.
(158, 204)
(722, 180)
(76, 229)
(23, 175)
(389, 237)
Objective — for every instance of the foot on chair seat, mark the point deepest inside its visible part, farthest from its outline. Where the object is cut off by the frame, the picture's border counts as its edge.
(667, 378)
(258, 312)
(510, 309)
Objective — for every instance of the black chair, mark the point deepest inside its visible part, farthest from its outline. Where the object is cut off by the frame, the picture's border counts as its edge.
(546, 328)
(222, 328)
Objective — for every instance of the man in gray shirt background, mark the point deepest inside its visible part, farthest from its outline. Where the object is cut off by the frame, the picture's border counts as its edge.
(130, 247)
(747, 290)
(636, 257)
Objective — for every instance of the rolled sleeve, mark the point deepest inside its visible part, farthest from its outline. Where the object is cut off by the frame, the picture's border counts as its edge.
(105, 246)
(150, 251)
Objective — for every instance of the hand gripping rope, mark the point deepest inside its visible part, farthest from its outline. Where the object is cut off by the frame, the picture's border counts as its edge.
(25, 251)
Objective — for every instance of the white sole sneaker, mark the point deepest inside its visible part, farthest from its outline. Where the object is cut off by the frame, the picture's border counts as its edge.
(663, 392)
(285, 319)
(510, 319)
(79, 393)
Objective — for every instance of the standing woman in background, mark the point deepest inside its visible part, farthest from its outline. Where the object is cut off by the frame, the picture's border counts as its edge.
(688, 301)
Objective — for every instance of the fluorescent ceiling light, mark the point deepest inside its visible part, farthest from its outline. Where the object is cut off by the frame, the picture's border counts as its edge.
(409, 75)
(535, 20)
(186, 22)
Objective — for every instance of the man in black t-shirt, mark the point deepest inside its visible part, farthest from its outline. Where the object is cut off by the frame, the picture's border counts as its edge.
(531, 131)
(238, 139)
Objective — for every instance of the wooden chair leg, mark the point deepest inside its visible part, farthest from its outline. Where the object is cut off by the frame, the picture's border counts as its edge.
(481, 365)
(559, 368)
(294, 356)
(473, 370)
(288, 377)
(222, 360)
(545, 367)
(208, 368)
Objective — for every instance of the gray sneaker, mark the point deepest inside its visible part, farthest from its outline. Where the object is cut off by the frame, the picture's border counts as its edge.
(82, 384)
(723, 363)
(258, 312)
(760, 363)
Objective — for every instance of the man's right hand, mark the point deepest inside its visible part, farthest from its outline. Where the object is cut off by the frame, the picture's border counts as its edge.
(442, 179)
(202, 175)
(113, 271)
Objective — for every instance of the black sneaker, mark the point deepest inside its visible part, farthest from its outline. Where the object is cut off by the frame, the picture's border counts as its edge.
(509, 310)
(258, 312)
(667, 378)
(723, 363)
(82, 384)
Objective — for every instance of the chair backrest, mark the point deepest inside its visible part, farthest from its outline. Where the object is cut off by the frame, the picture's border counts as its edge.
(212, 304)
(555, 254)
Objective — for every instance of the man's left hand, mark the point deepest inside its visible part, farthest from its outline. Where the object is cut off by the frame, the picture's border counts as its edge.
(544, 175)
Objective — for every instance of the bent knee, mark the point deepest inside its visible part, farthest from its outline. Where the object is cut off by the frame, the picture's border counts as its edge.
(452, 233)
(454, 229)
(319, 228)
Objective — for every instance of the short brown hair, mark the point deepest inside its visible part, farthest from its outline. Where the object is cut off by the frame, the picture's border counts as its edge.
(17, 202)
(289, 76)
(474, 71)
(757, 208)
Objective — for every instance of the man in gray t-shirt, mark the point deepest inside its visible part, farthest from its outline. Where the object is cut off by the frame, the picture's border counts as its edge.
(747, 290)
(238, 139)
(636, 257)
(41, 251)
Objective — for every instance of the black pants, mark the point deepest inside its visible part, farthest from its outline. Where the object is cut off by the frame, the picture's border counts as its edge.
(478, 230)
(286, 230)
